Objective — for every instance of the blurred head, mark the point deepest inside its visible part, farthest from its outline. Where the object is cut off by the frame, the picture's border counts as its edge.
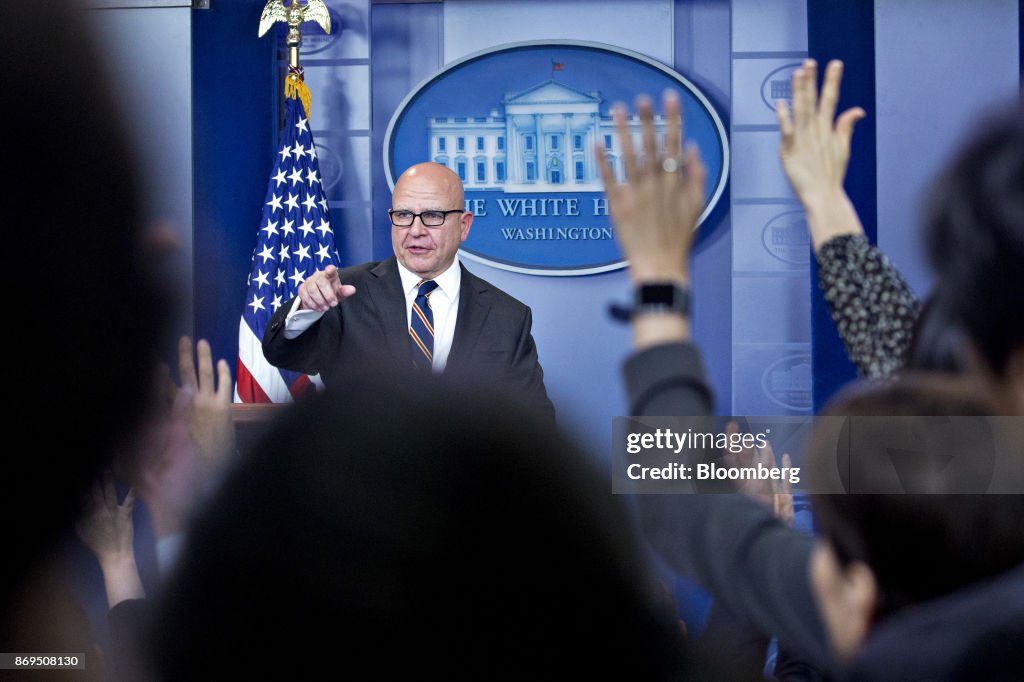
(937, 343)
(80, 364)
(974, 231)
(432, 530)
(429, 250)
(882, 553)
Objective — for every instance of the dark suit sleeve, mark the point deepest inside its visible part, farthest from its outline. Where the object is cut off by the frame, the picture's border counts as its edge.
(731, 544)
(304, 352)
(129, 620)
(527, 375)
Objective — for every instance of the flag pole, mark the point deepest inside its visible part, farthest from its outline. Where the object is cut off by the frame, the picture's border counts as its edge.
(296, 237)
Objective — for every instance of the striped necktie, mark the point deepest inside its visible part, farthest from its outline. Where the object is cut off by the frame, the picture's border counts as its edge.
(421, 326)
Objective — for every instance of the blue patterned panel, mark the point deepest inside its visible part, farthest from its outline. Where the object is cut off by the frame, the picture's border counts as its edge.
(770, 238)
(756, 85)
(772, 379)
(341, 97)
(349, 37)
(771, 309)
(345, 162)
(756, 172)
(769, 25)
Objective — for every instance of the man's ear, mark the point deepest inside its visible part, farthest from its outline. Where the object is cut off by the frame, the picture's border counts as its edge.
(861, 601)
(846, 597)
(467, 222)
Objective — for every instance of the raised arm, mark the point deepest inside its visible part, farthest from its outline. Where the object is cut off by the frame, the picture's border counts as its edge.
(106, 529)
(732, 545)
(872, 306)
(815, 151)
(655, 211)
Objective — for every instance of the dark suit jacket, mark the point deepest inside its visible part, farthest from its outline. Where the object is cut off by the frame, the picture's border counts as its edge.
(732, 545)
(492, 343)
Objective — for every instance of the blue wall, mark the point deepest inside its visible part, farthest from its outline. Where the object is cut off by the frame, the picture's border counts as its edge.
(936, 65)
(148, 50)
(940, 65)
(235, 94)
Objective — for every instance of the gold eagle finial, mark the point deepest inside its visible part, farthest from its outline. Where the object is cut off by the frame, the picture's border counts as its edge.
(294, 15)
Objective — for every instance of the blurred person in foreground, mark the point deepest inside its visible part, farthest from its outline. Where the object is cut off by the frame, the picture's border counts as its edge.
(414, 531)
(81, 368)
(837, 600)
(172, 460)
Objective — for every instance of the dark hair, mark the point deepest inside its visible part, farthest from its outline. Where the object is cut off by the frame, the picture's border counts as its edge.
(408, 531)
(974, 232)
(81, 351)
(937, 343)
(919, 546)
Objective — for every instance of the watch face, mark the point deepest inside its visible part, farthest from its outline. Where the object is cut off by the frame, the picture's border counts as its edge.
(657, 294)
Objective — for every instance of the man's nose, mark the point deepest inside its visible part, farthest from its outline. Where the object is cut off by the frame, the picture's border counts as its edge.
(417, 228)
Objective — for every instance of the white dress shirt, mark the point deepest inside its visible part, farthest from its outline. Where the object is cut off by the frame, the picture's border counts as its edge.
(444, 304)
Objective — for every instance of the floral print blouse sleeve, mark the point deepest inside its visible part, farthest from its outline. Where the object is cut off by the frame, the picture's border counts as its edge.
(872, 306)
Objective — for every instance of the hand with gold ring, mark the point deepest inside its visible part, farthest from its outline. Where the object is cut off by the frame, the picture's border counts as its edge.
(656, 209)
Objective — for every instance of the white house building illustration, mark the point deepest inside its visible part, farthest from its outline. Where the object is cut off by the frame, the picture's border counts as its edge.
(543, 143)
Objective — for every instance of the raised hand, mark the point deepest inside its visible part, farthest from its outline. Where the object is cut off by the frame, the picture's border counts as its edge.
(106, 529)
(656, 209)
(777, 494)
(782, 499)
(815, 150)
(323, 290)
(210, 423)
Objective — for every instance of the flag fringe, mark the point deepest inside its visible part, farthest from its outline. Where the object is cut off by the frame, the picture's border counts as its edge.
(296, 89)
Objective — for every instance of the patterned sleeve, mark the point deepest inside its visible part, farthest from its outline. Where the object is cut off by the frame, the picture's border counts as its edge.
(871, 304)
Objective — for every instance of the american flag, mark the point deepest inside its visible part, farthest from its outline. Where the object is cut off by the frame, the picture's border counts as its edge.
(294, 240)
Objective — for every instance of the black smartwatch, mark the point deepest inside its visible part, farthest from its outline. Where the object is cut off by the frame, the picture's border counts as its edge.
(653, 299)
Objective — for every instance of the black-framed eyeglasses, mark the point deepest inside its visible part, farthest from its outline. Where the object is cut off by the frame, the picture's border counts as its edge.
(428, 218)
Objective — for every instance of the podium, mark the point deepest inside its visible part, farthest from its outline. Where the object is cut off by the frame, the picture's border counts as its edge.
(252, 420)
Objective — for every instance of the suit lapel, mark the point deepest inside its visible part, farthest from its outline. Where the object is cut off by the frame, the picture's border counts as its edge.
(388, 300)
(473, 311)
